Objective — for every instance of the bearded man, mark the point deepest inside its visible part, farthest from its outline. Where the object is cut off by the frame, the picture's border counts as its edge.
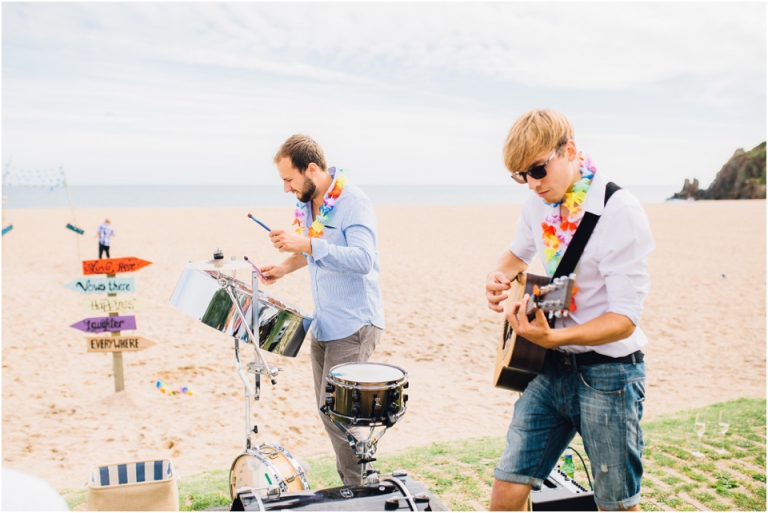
(335, 236)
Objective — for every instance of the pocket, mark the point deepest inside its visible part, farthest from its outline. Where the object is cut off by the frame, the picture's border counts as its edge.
(608, 379)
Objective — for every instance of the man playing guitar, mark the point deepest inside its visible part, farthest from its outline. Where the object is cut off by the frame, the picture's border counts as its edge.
(593, 380)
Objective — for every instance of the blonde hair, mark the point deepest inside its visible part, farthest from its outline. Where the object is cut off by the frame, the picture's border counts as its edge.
(303, 151)
(535, 132)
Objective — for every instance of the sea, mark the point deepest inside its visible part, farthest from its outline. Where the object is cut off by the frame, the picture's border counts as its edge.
(181, 196)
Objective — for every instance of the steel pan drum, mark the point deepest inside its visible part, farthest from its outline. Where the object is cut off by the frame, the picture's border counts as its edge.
(282, 327)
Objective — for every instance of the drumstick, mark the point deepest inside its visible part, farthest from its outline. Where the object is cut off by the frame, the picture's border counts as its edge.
(262, 224)
(256, 268)
(267, 228)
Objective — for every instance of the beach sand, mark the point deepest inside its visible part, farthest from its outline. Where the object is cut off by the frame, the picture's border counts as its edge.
(704, 317)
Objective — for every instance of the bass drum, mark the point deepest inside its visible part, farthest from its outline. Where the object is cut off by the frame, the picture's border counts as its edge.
(264, 467)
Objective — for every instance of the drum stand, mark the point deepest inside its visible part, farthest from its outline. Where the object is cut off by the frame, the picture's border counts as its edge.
(259, 367)
(363, 449)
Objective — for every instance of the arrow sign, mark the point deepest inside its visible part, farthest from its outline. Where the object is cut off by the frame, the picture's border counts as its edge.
(102, 285)
(113, 265)
(102, 324)
(109, 344)
(114, 304)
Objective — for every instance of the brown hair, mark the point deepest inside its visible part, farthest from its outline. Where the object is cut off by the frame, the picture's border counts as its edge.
(303, 151)
(535, 132)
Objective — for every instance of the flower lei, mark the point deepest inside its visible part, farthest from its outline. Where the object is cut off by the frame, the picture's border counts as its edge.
(329, 202)
(558, 231)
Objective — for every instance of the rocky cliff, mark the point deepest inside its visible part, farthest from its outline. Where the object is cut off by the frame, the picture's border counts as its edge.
(742, 177)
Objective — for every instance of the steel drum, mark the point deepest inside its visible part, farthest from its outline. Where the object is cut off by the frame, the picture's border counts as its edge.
(200, 294)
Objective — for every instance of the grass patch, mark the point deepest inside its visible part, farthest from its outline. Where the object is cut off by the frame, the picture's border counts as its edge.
(460, 472)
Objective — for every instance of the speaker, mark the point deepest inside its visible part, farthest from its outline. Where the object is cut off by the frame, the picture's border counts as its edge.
(560, 493)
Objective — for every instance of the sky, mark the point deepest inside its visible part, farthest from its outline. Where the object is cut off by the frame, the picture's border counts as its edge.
(396, 93)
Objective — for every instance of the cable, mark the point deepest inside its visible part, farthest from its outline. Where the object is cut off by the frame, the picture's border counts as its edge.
(403, 491)
(586, 470)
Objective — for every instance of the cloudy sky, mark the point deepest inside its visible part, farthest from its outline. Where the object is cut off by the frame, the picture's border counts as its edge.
(203, 93)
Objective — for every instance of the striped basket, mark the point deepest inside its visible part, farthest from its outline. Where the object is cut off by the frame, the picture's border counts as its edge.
(134, 486)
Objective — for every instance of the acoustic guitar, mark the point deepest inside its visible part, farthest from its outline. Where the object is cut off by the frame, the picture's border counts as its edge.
(518, 360)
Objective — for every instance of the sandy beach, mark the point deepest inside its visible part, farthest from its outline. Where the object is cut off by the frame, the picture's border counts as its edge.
(705, 318)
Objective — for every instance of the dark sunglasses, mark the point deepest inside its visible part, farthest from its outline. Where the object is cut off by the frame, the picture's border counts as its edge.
(536, 172)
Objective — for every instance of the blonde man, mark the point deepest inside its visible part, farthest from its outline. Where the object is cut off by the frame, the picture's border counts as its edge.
(593, 382)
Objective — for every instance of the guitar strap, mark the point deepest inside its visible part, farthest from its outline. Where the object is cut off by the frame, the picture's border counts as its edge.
(581, 237)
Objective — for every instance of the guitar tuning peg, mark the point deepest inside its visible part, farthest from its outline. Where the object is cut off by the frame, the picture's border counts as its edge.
(572, 276)
(565, 313)
(558, 314)
(551, 314)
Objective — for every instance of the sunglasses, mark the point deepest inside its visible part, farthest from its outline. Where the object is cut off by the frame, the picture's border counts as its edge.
(535, 172)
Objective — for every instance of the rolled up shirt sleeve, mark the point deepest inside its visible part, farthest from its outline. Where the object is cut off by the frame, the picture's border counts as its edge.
(624, 262)
(359, 233)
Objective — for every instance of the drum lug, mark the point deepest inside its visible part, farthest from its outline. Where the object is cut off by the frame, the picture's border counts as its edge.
(355, 396)
(329, 402)
(329, 388)
(356, 408)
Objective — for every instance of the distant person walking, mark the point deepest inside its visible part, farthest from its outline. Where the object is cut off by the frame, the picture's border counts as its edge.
(105, 234)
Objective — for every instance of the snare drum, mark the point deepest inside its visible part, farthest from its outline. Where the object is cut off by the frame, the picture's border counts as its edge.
(264, 467)
(366, 394)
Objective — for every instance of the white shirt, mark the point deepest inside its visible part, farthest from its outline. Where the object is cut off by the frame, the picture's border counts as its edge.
(612, 273)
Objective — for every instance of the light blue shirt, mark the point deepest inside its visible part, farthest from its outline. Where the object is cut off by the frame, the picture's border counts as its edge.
(105, 233)
(344, 267)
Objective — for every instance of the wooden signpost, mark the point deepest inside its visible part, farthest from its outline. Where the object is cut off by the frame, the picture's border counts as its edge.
(113, 323)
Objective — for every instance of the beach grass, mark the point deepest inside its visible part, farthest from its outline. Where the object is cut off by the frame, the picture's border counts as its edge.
(460, 472)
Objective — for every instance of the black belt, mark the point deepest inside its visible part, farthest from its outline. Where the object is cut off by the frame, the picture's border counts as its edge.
(593, 358)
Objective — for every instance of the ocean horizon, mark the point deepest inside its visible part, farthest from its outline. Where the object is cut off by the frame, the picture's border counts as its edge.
(210, 196)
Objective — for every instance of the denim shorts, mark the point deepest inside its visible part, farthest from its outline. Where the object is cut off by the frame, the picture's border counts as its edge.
(604, 404)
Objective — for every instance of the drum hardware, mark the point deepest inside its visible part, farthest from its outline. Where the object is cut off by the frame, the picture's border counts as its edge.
(365, 395)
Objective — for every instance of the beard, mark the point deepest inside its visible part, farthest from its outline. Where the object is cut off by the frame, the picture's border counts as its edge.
(308, 192)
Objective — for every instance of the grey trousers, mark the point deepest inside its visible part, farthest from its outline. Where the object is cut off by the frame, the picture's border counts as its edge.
(357, 347)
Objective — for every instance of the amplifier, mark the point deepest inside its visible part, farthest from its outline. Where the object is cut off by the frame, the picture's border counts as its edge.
(560, 493)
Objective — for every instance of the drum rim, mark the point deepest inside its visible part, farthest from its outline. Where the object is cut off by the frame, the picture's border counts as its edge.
(366, 385)
(247, 290)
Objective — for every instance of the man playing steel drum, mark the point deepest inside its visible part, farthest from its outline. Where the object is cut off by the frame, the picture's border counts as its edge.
(335, 236)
